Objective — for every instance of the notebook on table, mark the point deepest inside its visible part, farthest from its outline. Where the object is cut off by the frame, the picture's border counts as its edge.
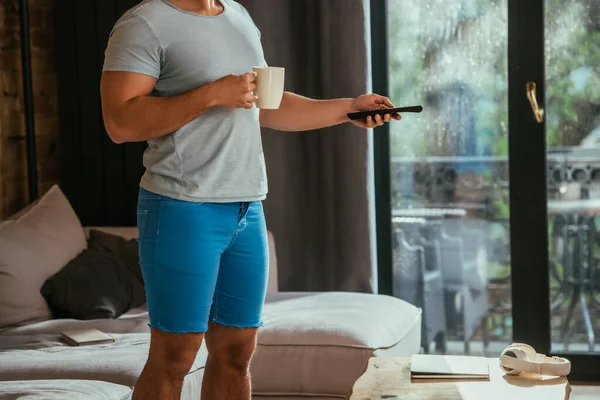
(426, 366)
(86, 336)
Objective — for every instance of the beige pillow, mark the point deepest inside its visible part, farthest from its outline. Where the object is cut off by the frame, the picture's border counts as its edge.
(33, 247)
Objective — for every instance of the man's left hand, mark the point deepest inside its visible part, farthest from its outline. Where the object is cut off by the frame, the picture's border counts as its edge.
(370, 102)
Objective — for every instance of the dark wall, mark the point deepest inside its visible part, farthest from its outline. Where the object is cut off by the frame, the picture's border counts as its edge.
(99, 177)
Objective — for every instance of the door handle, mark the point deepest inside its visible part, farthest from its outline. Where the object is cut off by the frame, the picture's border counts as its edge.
(532, 96)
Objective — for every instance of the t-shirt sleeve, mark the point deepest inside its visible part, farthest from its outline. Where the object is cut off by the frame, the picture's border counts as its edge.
(247, 14)
(133, 47)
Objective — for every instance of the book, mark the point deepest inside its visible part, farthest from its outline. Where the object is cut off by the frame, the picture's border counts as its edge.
(426, 366)
(85, 336)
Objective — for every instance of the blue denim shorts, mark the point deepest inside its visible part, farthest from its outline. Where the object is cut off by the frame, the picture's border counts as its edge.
(202, 262)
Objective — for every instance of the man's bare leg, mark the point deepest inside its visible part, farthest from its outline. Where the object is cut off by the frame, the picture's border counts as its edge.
(227, 372)
(170, 360)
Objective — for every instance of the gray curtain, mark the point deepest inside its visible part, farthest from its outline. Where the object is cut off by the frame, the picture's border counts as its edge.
(320, 204)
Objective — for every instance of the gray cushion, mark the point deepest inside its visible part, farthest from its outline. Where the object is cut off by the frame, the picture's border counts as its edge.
(320, 343)
(104, 281)
(63, 390)
(33, 248)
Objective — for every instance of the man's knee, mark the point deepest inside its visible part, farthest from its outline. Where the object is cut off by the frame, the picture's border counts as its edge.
(232, 348)
(176, 364)
(236, 358)
(174, 353)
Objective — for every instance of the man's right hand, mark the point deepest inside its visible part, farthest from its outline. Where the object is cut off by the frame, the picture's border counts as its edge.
(235, 91)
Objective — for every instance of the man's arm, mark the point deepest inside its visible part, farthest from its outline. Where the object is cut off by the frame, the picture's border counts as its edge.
(132, 115)
(297, 113)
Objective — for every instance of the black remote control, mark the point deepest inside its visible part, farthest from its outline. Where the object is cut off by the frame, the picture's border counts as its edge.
(384, 111)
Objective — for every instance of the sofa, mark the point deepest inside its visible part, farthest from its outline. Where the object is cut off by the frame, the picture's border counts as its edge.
(312, 345)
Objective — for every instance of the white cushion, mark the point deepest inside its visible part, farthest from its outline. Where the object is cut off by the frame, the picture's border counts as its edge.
(320, 343)
(33, 247)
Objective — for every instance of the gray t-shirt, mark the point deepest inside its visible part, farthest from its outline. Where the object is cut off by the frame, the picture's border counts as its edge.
(218, 157)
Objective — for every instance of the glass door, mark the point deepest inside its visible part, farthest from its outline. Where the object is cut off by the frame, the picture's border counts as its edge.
(554, 108)
(572, 119)
(488, 202)
(449, 208)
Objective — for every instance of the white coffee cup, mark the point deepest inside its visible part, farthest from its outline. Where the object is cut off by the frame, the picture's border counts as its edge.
(269, 86)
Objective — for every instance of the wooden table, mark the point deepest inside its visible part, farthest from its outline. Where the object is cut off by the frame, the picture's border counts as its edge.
(389, 378)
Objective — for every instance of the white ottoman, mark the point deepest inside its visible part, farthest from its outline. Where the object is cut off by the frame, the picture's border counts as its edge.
(319, 344)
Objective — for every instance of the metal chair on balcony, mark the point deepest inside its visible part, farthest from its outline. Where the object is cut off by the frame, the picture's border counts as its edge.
(573, 241)
(465, 277)
(418, 279)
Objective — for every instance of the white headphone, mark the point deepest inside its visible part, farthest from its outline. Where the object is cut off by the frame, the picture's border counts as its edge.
(520, 357)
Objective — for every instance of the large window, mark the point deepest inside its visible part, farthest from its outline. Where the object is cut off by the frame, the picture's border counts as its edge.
(448, 165)
(507, 148)
(572, 61)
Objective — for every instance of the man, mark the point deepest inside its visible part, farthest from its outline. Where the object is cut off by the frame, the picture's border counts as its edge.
(177, 75)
